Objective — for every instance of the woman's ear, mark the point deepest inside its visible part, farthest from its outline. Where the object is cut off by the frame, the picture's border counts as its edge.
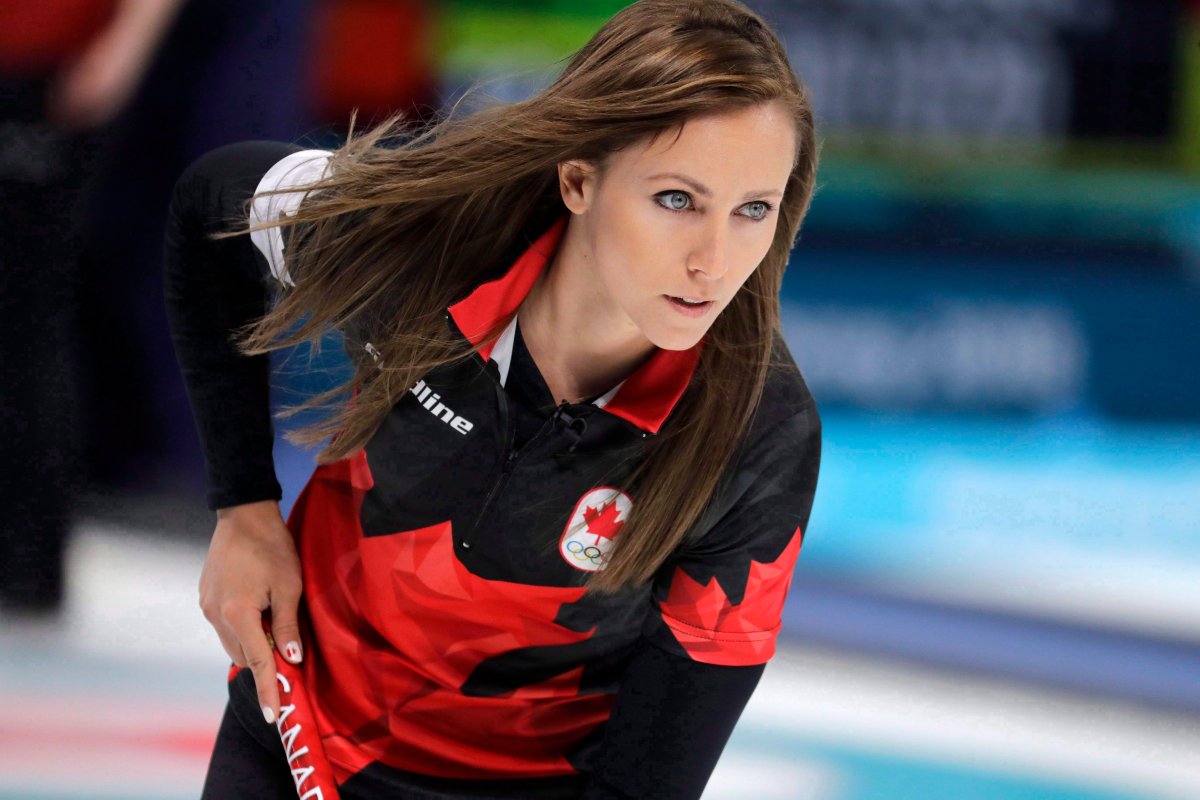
(577, 183)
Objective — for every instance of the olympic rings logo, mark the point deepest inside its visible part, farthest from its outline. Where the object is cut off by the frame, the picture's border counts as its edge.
(589, 553)
(587, 538)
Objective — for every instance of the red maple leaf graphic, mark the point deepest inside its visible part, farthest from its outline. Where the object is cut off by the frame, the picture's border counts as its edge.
(714, 630)
(603, 521)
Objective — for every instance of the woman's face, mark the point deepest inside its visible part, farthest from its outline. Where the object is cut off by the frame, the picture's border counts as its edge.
(669, 220)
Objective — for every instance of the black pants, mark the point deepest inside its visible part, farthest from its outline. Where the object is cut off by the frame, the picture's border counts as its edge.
(247, 767)
(243, 766)
(249, 763)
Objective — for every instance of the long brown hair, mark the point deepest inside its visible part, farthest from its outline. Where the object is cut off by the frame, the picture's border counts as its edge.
(406, 222)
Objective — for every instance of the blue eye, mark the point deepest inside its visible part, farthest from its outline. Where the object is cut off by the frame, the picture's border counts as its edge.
(680, 201)
(675, 200)
(761, 207)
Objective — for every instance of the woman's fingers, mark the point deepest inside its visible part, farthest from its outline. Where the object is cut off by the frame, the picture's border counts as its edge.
(215, 614)
(253, 569)
(232, 647)
(286, 630)
(260, 658)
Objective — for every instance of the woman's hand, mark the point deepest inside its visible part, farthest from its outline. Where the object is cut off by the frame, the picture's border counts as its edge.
(252, 567)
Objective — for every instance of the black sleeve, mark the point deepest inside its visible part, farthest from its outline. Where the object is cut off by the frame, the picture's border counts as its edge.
(211, 288)
(669, 725)
(717, 609)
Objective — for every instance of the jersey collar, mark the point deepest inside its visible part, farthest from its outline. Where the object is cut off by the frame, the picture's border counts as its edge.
(645, 398)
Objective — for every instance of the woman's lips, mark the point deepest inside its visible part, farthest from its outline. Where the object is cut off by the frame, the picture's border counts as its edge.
(689, 309)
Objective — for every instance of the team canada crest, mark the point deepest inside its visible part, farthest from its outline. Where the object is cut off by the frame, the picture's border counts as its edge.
(597, 519)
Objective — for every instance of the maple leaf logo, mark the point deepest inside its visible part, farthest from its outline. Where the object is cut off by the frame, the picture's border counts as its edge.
(602, 522)
(597, 518)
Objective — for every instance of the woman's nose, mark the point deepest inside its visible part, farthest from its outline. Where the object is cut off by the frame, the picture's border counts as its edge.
(709, 256)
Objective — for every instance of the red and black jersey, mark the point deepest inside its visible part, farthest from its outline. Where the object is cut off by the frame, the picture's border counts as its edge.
(444, 562)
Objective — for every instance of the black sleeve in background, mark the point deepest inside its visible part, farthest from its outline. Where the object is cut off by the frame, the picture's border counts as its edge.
(211, 288)
(669, 724)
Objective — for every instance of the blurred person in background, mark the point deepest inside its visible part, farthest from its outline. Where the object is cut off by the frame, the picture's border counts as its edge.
(102, 103)
(67, 69)
(483, 668)
(226, 71)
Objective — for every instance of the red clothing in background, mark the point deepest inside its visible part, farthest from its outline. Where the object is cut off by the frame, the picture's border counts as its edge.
(38, 36)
